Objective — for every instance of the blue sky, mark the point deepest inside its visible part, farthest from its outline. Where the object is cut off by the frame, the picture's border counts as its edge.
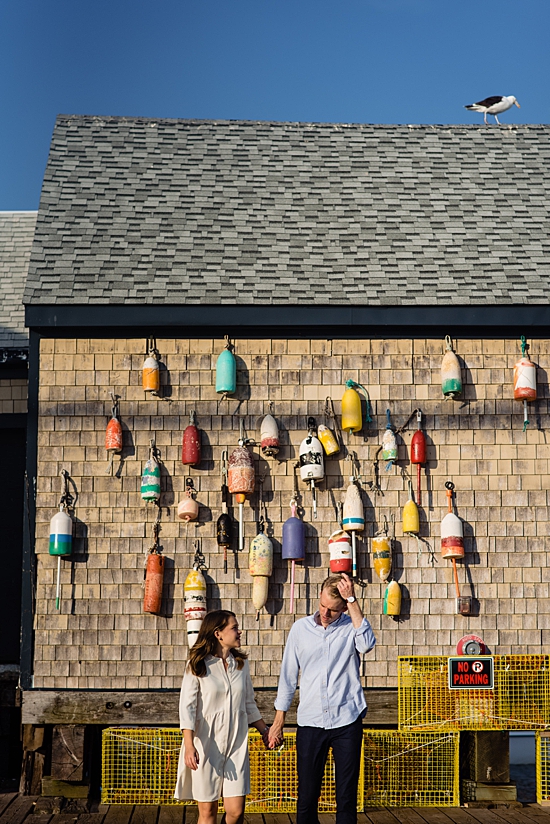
(368, 61)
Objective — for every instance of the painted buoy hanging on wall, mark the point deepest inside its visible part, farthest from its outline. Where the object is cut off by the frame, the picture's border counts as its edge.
(352, 419)
(194, 596)
(411, 518)
(339, 547)
(525, 381)
(113, 434)
(61, 532)
(260, 566)
(191, 443)
(226, 371)
(418, 454)
(381, 554)
(389, 443)
(392, 599)
(269, 436)
(188, 507)
(312, 463)
(293, 544)
(224, 525)
(452, 535)
(150, 480)
(151, 369)
(451, 378)
(241, 477)
(353, 518)
(325, 431)
(154, 574)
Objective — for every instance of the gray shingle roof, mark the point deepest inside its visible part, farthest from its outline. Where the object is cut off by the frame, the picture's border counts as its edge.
(181, 211)
(16, 234)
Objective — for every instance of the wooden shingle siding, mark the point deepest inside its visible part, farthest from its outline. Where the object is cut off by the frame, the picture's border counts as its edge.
(100, 638)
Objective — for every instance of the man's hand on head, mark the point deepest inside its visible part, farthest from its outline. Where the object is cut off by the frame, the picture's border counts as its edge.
(345, 587)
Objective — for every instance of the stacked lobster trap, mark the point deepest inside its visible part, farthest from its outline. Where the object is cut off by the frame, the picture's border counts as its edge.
(397, 769)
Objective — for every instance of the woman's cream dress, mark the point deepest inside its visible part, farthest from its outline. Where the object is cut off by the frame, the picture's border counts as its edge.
(219, 707)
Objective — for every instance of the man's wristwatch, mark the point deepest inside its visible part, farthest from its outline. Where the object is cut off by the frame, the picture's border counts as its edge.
(351, 600)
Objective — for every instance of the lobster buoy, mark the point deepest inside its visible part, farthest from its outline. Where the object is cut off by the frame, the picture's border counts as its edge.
(260, 566)
(113, 434)
(224, 527)
(352, 419)
(154, 577)
(194, 598)
(151, 370)
(392, 599)
(188, 508)
(191, 444)
(418, 454)
(150, 480)
(525, 381)
(389, 443)
(381, 554)
(339, 546)
(452, 534)
(241, 480)
(328, 440)
(61, 543)
(312, 463)
(293, 544)
(269, 438)
(451, 378)
(226, 371)
(411, 518)
(353, 518)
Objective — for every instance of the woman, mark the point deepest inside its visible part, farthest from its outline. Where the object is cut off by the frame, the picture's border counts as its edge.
(216, 708)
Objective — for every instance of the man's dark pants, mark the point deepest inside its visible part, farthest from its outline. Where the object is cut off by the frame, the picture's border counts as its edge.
(312, 745)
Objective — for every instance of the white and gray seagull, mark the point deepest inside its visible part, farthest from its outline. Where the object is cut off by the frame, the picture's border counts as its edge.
(494, 105)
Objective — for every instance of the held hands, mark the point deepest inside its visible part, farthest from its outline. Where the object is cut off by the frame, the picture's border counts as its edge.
(274, 737)
(345, 587)
(191, 758)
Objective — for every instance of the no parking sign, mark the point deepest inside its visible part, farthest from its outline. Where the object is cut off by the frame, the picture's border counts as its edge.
(472, 673)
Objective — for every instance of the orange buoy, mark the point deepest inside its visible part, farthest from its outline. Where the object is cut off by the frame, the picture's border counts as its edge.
(113, 434)
(154, 577)
(151, 369)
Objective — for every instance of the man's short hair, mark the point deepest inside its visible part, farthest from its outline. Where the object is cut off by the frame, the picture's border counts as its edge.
(331, 585)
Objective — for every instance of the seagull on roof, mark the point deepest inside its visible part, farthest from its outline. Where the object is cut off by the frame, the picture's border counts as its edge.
(494, 105)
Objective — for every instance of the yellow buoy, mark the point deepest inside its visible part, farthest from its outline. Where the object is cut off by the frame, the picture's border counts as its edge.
(392, 599)
(411, 518)
(352, 420)
(381, 555)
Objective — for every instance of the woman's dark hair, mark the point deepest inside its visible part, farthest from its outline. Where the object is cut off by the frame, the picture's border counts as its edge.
(207, 643)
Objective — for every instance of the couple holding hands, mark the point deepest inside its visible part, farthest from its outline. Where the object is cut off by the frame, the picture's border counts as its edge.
(217, 706)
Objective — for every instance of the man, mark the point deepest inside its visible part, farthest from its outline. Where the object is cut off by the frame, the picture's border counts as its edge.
(325, 649)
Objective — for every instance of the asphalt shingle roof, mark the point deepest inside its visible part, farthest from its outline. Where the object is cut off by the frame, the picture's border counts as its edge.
(182, 211)
(16, 234)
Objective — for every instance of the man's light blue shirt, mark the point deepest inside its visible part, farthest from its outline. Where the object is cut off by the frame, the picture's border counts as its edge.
(327, 660)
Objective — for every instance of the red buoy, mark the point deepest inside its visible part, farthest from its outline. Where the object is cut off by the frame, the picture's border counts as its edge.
(418, 454)
(191, 446)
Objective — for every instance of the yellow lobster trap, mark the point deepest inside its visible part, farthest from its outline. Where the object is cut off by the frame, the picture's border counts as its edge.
(520, 699)
(410, 769)
(543, 768)
(140, 767)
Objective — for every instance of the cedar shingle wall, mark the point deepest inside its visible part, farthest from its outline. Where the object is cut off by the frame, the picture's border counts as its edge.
(101, 639)
(13, 396)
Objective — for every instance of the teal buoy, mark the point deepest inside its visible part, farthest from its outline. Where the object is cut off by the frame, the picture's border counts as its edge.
(226, 371)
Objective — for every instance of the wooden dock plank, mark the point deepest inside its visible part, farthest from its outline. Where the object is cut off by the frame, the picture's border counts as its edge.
(407, 815)
(379, 816)
(19, 809)
(277, 818)
(92, 818)
(144, 814)
(119, 814)
(517, 816)
(484, 816)
(5, 800)
(438, 815)
(170, 815)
